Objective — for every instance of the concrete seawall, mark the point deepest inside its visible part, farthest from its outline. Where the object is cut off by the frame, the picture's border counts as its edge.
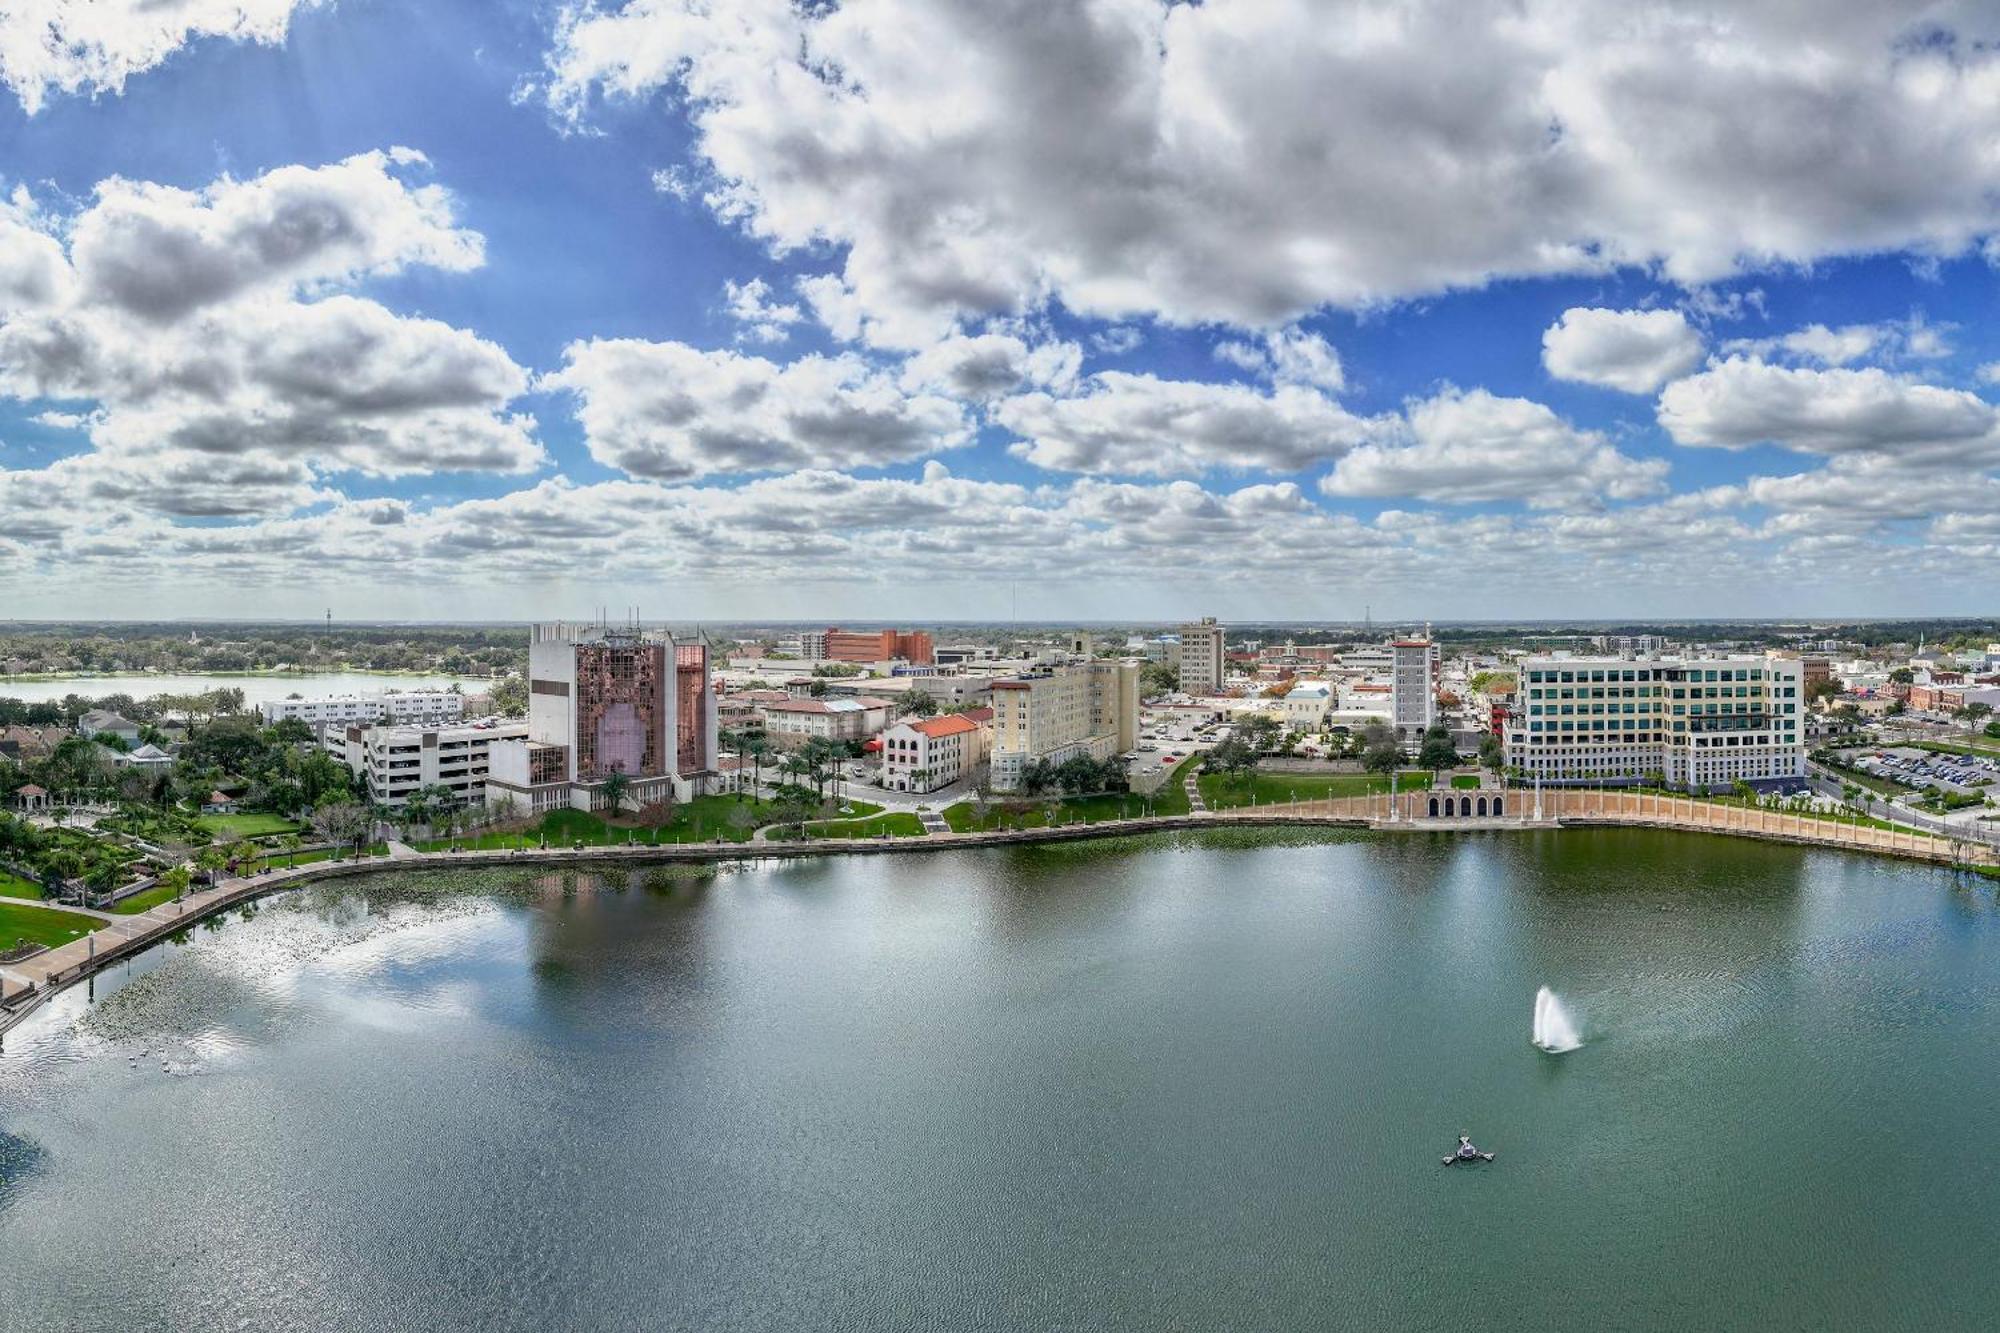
(24, 985)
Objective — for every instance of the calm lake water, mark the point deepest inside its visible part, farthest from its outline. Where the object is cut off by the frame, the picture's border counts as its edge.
(255, 689)
(1196, 1083)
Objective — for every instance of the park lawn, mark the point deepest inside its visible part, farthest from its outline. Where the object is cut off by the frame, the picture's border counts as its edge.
(141, 902)
(13, 886)
(46, 926)
(964, 816)
(897, 824)
(285, 860)
(1224, 792)
(1465, 781)
(247, 826)
(704, 819)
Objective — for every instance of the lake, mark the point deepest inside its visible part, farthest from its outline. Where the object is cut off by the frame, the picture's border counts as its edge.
(1180, 1082)
(256, 689)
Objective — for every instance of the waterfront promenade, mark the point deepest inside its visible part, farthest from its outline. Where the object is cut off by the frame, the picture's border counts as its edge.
(24, 984)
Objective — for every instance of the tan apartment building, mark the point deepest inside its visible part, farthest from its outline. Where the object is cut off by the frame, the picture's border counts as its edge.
(1204, 659)
(1080, 707)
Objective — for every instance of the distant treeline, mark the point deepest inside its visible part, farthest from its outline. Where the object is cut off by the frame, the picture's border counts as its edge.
(193, 648)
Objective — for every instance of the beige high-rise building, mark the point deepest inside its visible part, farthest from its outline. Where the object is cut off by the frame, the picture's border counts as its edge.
(1204, 660)
(1071, 708)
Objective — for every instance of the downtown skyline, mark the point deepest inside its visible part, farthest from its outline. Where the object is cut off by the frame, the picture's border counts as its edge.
(488, 311)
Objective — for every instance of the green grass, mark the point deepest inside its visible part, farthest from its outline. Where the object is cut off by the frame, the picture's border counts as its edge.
(898, 824)
(42, 925)
(1465, 781)
(13, 886)
(1842, 817)
(141, 902)
(288, 859)
(247, 826)
(964, 817)
(704, 819)
(1228, 792)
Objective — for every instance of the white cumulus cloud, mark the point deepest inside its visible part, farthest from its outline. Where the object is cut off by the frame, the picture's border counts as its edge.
(93, 46)
(668, 412)
(1633, 350)
(1140, 158)
(1469, 447)
(1743, 401)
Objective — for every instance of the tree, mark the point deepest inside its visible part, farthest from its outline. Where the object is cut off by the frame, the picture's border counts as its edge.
(1437, 751)
(757, 747)
(1038, 777)
(343, 823)
(1158, 678)
(102, 880)
(616, 784)
(211, 859)
(917, 703)
(1492, 754)
(1902, 676)
(175, 879)
(1235, 755)
(510, 696)
(1822, 689)
(58, 869)
(1382, 759)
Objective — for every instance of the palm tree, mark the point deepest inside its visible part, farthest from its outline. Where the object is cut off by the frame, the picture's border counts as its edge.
(212, 859)
(615, 786)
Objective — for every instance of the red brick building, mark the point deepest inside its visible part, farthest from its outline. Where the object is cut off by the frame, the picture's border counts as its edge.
(861, 646)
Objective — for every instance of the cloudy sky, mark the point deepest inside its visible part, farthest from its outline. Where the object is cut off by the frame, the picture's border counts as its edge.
(923, 309)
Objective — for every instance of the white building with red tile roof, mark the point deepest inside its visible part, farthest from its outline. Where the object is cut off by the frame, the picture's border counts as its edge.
(936, 752)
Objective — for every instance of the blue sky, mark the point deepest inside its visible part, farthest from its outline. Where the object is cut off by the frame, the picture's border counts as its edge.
(892, 309)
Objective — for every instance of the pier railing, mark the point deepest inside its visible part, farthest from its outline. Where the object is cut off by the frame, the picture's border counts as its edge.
(1516, 807)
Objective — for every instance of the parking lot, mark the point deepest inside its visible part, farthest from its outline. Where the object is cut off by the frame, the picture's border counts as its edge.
(1163, 742)
(1918, 769)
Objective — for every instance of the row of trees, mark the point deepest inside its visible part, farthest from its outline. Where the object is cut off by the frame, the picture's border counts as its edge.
(1078, 775)
(162, 647)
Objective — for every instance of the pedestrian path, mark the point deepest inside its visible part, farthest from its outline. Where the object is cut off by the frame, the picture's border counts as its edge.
(932, 821)
(1195, 803)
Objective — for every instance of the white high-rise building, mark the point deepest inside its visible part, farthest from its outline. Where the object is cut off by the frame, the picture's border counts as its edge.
(1204, 659)
(1413, 675)
(1699, 722)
